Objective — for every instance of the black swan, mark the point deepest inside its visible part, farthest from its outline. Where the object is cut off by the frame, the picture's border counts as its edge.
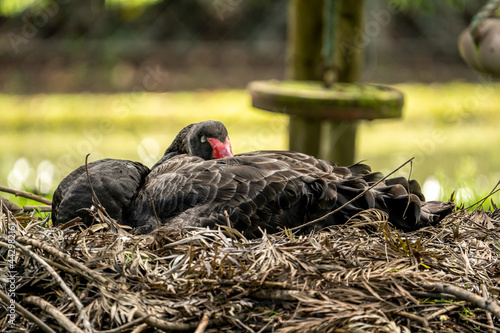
(116, 182)
(270, 190)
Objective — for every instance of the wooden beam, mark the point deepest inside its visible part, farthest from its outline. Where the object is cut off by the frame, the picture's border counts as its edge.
(304, 62)
(341, 134)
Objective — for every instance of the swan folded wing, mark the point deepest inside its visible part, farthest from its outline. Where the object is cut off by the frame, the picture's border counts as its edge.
(295, 160)
(115, 182)
(253, 191)
(271, 192)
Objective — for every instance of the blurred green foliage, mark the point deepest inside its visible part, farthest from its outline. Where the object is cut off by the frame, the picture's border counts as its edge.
(430, 5)
(13, 7)
(130, 3)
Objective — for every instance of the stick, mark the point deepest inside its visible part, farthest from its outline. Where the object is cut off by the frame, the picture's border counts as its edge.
(83, 316)
(421, 294)
(465, 295)
(28, 315)
(95, 199)
(162, 324)
(481, 202)
(240, 323)
(126, 326)
(227, 282)
(202, 326)
(140, 328)
(283, 295)
(421, 320)
(484, 292)
(475, 322)
(54, 312)
(442, 311)
(43, 209)
(64, 257)
(19, 193)
(10, 205)
(263, 329)
(52, 263)
(352, 200)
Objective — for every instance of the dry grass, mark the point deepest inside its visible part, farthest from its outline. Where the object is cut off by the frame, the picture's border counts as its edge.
(359, 277)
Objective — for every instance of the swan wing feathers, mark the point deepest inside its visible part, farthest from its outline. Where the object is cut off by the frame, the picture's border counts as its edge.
(251, 189)
(115, 183)
(271, 191)
(259, 190)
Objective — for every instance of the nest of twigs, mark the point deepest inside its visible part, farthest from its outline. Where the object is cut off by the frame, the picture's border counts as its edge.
(359, 277)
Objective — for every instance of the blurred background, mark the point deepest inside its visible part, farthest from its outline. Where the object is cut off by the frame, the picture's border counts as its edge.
(119, 79)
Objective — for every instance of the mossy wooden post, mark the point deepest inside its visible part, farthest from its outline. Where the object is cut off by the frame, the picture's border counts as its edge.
(340, 135)
(324, 117)
(304, 62)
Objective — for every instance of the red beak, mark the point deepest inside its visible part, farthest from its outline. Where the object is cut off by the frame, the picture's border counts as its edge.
(220, 149)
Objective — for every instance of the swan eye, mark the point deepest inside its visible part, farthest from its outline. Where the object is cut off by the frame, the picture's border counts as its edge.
(203, 138)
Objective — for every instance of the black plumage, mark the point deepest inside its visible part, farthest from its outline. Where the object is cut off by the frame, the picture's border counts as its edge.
(116, 182)
(270, 190)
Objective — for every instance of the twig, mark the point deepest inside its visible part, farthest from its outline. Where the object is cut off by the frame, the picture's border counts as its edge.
(263, 329)
(26, 314)
(283, 295)
(480, 202)
(43, 209)
(465, 295)
(371, 291)
(352, 200)
(83, 316)
(442, 311)
(95, 199)
(228, 221)
(421, 320)
(162, 324)
(202, 326)
(54, 312)
(422, 294)
(140, 328)
(64, 257)
(75, 221)
(405, 293)
(51, 263)
(126, 326)
(484, 292)
(19, 193)
(227, 282)
(10, 205)
(240, 323)
(156, 215)
(478, 323)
